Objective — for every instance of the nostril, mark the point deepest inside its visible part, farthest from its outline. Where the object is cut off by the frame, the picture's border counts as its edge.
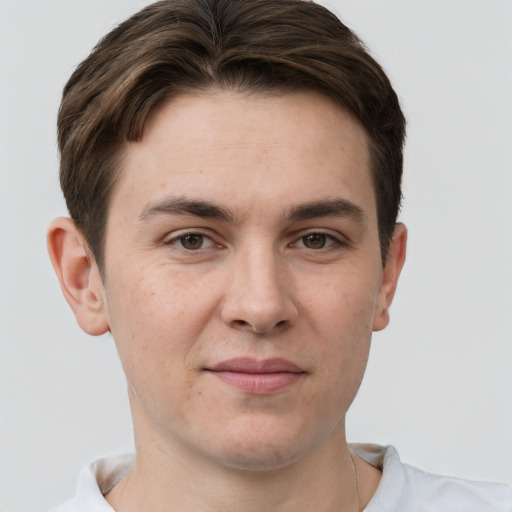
(240, 323)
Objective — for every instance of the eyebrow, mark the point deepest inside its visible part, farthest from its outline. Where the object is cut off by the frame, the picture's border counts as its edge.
(328, 208)
(186, 206)
(206, 209)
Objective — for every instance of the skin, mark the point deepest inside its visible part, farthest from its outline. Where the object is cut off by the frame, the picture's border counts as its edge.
(253, 271)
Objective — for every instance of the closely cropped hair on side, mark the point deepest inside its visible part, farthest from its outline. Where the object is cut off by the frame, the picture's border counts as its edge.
(176, 47)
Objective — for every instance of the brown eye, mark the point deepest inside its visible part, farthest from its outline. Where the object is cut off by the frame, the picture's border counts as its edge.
(191, 242)
(314, 241)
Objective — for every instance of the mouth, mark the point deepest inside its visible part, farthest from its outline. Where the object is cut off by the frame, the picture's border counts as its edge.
(259, 377)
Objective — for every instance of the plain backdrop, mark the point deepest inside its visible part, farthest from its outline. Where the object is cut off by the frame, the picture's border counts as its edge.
(439, 381)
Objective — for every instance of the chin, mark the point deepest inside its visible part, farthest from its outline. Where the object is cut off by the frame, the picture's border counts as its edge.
(259, 458)
(264, 449)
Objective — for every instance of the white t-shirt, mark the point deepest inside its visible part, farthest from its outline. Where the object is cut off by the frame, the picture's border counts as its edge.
(402, 488)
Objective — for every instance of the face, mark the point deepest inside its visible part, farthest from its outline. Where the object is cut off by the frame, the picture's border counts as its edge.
(243, 276)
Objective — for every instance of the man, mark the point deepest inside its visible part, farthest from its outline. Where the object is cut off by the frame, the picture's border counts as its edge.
(232, 169)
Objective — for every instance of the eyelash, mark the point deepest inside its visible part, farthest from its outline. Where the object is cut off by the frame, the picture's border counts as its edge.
(334, 241)
(178, 240)
(330, 241)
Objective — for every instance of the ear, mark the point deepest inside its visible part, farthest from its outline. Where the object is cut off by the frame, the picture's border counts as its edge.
(390, 275)
(78, 275)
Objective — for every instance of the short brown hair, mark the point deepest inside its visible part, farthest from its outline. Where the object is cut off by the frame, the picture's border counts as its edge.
(175, 47)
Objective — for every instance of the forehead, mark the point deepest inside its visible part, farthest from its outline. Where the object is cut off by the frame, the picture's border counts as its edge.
(238, 148)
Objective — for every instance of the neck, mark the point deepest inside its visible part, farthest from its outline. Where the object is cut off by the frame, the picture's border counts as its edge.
(169, 478)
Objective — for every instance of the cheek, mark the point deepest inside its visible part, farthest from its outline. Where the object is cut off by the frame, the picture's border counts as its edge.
(341, 314)
(345, 303)
(156, 319)
(159, 302)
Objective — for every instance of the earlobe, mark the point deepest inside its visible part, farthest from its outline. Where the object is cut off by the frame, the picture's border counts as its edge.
(78, 275)
(391, 273)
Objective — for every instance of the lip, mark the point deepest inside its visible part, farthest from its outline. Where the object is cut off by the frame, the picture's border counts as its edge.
(250, 365)
(258, 377)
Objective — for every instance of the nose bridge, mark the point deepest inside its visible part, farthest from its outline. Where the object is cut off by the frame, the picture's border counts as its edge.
(259, 296)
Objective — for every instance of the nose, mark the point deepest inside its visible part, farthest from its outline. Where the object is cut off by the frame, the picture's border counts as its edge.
(259, 296)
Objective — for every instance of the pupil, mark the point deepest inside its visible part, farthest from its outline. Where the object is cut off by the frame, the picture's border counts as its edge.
(314, 241)
(192, 241)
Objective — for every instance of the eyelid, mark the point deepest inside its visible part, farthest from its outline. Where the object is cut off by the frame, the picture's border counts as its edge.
(337, 237)
(173, 238)
(331, 242)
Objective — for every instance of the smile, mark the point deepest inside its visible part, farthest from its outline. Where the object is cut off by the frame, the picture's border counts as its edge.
(257, 377)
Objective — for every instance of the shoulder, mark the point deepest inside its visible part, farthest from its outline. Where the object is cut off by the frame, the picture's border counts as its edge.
(94, 481)
(456, 494)
(404, 488)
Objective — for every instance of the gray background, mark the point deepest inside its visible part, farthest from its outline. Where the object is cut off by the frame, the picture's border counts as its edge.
(439, 380)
